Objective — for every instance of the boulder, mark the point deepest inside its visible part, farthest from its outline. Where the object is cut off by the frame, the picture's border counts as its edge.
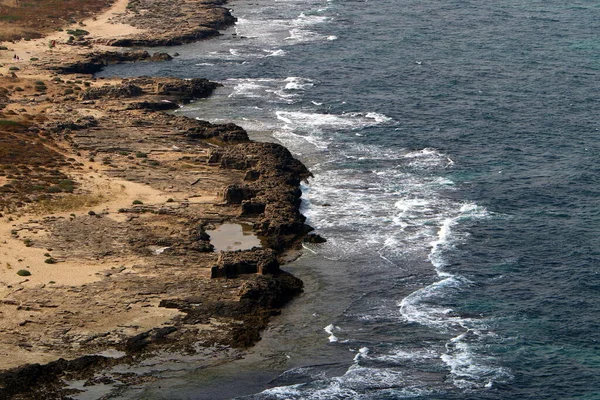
(160, 56)
(236, 194)
(233, 263)
(123, 90)
(314, 238)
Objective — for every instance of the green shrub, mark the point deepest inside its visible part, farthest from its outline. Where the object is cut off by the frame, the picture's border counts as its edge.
(140, 154)
(13, 68)
(66, 185)
(8, 122)
(137, 202)
(50, 260)
(23, 272)
(53, 189)
(77, 32)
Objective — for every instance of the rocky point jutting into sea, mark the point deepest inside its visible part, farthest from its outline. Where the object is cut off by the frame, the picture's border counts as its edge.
(106, 200)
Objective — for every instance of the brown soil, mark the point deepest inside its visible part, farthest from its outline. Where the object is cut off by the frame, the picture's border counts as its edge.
(32, 19)
(104, 203)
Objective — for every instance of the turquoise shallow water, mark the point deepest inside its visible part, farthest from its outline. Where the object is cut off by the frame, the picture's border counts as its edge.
(456, 157)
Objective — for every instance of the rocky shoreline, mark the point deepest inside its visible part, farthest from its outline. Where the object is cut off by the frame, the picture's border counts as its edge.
(105, 204)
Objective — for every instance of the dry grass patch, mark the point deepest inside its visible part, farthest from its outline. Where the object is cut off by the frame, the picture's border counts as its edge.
(31, 171)
(74, 202)
(32, 18)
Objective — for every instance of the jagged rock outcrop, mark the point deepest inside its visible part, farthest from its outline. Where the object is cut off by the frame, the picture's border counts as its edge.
(223, 132)
(124, 90)
(314, 238)
(160, 56)
(23, 379)
(153, 105)
(237, 194)
(255, 261)
(168, 93)
(272, 190)
(195, 20)
(260, 297)
(199, 33)
(73, 125)
(180, 90)
(137, 343)
(94, 62)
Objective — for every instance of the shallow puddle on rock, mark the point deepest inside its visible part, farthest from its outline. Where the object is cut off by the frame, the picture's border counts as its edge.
(229, 237)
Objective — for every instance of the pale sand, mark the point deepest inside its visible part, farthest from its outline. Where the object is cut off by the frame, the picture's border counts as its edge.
(134, 320)
(106, 195)
(102, 27)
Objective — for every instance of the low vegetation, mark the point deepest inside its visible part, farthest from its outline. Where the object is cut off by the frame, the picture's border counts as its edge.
(33, 19)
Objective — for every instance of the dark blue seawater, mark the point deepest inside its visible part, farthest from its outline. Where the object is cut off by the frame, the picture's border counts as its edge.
(456, 153)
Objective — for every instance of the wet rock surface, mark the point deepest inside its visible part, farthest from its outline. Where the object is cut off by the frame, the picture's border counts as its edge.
(272, 194)
(94, 62)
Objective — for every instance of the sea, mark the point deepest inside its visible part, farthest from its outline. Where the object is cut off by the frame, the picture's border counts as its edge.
(455, 148)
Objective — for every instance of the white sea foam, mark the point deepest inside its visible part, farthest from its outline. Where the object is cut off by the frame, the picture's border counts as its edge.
(261, 30)
(306, 120)
(417, 307)
(304, 20)
(400, 356)
(297, 83)
(406, 205)
(299, 143)
(396, 209)
(302, 35)
(247, 89)
(330, 329)
(362, 353)
(468, 369)
(275, 53)
(276, 90)
(379, 118)
(428, 223)
(428, 158)
(356, 383)
(332, 37)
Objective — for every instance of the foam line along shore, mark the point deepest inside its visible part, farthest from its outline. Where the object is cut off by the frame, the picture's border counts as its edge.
(446, 177)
